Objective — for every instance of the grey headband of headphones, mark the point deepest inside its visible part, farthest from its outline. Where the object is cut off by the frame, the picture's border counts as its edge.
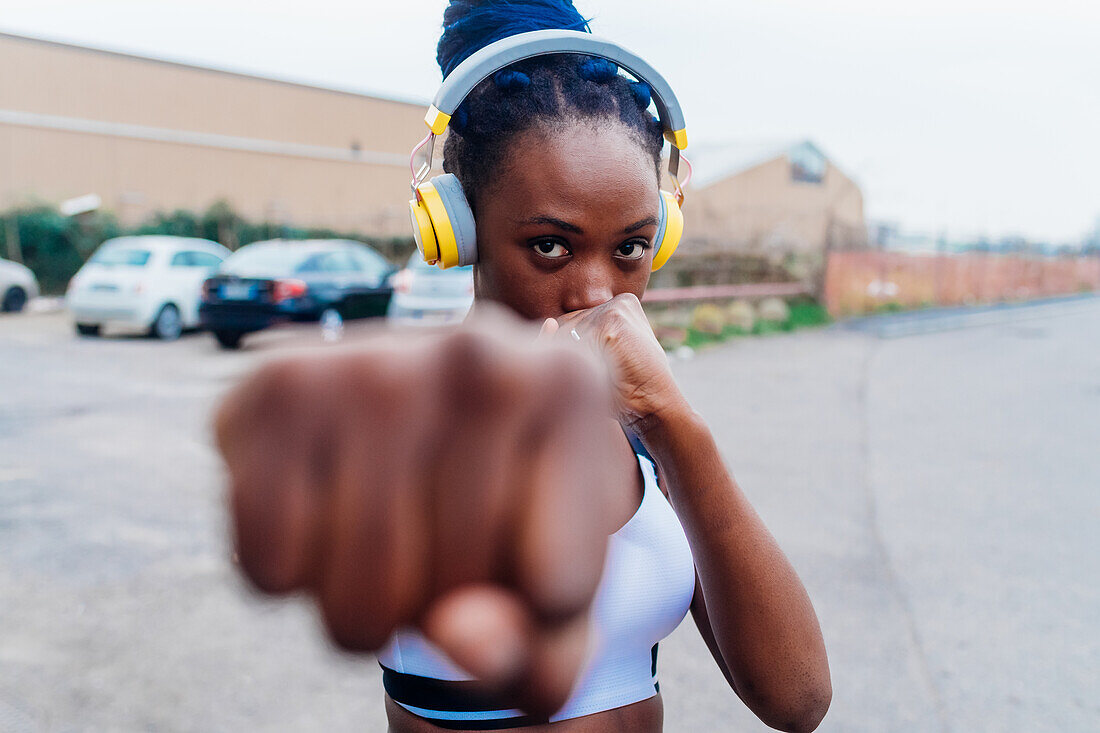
(496, 56)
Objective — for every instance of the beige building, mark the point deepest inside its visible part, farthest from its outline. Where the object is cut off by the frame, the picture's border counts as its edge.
(770, 198)
(146, 135)
(143, 135)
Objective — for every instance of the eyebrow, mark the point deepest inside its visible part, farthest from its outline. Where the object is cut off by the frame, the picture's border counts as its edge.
(552, 221)
(648, 221)
(561, 224)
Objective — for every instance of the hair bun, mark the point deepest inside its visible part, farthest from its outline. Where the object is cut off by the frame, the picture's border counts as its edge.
(470, 25)
(599, 70)
(643, 93)
(511, 80)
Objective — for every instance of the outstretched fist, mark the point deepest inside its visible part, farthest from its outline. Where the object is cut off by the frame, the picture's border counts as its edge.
(457, 482)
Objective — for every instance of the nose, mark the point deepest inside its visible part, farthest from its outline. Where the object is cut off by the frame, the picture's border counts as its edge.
(588, 286)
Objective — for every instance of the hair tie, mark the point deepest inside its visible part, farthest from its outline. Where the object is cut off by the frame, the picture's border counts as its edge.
(511, 81)
(598, 70)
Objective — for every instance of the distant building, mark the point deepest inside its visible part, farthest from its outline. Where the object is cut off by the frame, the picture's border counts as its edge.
(767, 198)
(142, 135)
(146, 135)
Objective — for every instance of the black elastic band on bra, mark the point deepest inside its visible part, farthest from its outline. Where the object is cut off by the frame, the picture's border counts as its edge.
(653, 670)
(455, 696)
(495, 724)
(428, 692)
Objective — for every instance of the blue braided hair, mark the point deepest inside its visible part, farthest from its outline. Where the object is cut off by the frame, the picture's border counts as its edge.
(535, 93)
(469, 25)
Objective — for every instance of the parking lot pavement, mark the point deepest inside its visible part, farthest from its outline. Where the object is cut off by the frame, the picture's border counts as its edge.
(937, 494)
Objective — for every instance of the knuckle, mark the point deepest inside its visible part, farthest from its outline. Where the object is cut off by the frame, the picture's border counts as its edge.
(280, 376)
(273, 388)
(486, 378)
(379, 387)
(627, 301)
(628, 308)
(466, 350)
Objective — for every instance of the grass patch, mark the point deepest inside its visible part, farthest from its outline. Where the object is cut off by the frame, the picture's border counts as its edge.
(763, 328)
(695, 339)
(804, 313)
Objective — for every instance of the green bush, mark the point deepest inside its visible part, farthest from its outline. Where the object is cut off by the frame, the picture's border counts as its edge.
(807, 313)
(804, 313)
(774, 310)
(54, 246)
(708, 318)
(741, 315)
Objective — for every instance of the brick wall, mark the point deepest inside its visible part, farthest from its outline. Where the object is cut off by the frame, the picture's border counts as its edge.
(861, 282)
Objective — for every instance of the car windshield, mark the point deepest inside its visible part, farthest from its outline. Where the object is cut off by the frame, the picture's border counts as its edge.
(121, 256)
(266, 261)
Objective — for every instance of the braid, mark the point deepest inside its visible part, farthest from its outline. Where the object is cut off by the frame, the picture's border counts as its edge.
(472, 24)
(537, 93)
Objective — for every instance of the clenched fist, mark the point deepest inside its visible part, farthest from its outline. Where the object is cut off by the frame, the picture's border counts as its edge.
(458, 482)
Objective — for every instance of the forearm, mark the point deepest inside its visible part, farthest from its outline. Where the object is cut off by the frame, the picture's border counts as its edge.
(761, 617)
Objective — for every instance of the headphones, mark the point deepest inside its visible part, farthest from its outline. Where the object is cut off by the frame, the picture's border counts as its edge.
(443, 222)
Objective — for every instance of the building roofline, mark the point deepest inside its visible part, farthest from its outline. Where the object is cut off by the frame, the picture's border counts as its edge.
(204, 139)
(718, 161)
(215, 69)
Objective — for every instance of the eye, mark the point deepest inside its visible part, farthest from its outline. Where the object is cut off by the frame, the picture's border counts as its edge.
(551, 249)
(633, 250)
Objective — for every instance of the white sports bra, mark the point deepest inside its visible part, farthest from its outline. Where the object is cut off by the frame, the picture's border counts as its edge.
(645, 592)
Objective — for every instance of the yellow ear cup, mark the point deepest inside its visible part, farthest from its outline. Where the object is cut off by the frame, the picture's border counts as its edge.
(674, 229)
(444, 234)
(423, 232)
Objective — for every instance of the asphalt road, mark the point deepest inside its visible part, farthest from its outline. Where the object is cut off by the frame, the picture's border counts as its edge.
(937, 493)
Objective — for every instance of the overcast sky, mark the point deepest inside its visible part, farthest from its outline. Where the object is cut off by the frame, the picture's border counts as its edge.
(965, 116)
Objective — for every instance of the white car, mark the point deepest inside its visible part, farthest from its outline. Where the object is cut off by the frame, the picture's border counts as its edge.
(17, 286)
(146, 283)
(423, 293)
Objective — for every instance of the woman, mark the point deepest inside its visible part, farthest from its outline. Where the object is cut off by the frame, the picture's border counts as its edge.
(469, 484)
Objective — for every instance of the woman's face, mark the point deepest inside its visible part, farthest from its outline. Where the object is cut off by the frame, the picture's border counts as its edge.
(569, 221)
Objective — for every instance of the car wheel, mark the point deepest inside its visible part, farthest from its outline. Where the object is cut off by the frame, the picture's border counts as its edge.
(229, 339)
(168, 325)
(87, 329)
(14, 300)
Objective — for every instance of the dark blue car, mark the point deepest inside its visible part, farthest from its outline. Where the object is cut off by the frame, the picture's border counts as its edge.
(276, 281)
